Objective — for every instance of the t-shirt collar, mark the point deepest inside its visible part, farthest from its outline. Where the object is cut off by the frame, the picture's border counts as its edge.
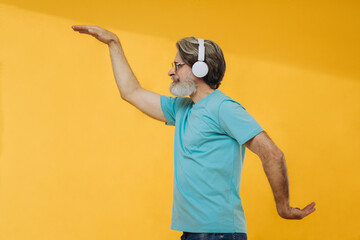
(205, 99)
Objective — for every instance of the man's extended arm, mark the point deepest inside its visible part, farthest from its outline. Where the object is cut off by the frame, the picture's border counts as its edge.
(130, 89)
(273, 161)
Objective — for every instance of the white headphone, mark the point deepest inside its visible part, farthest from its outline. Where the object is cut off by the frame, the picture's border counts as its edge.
(200, 68)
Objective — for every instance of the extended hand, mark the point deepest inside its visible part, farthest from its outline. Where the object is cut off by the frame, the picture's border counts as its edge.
(97, 32)
(296, 213)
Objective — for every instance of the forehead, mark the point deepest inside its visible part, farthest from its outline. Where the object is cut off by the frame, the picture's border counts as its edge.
(178, 58)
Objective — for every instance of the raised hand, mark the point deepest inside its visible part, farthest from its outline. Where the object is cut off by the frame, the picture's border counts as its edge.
(99, 33)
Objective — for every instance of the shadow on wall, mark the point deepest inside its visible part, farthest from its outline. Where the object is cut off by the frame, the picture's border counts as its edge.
(320, 36)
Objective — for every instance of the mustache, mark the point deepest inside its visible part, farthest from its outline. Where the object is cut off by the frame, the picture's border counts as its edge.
(175, 78)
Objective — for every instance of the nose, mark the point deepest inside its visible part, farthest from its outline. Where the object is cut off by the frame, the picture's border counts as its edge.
(171, 72)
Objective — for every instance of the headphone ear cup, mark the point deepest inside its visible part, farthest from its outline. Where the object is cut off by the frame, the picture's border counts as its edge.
(200, 69)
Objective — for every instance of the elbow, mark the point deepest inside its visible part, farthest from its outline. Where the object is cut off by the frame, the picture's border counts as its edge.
(123, 97)
(129, 94)
(278, 154)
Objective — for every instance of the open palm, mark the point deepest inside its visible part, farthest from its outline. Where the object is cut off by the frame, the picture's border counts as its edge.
(99, 33)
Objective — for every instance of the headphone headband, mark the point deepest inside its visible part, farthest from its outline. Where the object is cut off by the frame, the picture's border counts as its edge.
(201, 54)
(200, 68)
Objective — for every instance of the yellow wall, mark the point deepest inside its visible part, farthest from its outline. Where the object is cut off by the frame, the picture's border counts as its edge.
(78, 163)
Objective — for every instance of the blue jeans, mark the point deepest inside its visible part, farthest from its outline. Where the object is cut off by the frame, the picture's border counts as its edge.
(213, 236)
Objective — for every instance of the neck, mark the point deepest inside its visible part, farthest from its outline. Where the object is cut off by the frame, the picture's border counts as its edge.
(201, 92)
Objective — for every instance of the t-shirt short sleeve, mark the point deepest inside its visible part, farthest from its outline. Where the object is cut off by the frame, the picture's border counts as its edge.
(171, 106)
(237, 122)
(168, 106)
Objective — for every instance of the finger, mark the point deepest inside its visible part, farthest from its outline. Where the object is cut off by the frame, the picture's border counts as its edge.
(82, 31)
(87, 32)
(90, 31)
(78, 27)
(310, 206)
(306, 213)
(82, 27)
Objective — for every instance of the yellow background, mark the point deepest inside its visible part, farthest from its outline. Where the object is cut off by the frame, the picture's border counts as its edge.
(78, 163)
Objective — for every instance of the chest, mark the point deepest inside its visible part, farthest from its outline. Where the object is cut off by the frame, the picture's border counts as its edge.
(198, 128)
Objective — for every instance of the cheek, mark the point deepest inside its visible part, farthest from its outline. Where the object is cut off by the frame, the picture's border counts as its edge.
(185, 76)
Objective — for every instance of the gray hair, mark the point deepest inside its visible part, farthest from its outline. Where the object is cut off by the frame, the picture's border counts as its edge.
(214, 58)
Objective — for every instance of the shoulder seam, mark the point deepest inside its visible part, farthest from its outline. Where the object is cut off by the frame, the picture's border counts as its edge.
(218, 114)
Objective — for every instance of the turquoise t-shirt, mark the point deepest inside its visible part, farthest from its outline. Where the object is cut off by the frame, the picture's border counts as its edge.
(208, 159)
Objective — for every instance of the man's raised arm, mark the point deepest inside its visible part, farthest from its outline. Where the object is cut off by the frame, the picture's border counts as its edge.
(130, 89)
(273, 161)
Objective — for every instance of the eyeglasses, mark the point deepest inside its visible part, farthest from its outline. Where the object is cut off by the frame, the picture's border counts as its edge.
(176, 65)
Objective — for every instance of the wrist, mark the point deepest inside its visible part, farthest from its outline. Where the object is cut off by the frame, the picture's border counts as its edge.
(114, 42)
(283, 208)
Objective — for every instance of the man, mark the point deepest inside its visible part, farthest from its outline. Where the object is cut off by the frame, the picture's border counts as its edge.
(211, 133)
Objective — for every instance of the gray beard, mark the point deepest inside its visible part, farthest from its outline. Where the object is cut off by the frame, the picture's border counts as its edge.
(182, 89)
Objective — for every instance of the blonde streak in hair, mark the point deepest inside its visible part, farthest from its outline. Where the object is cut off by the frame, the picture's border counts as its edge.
(187, 45)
